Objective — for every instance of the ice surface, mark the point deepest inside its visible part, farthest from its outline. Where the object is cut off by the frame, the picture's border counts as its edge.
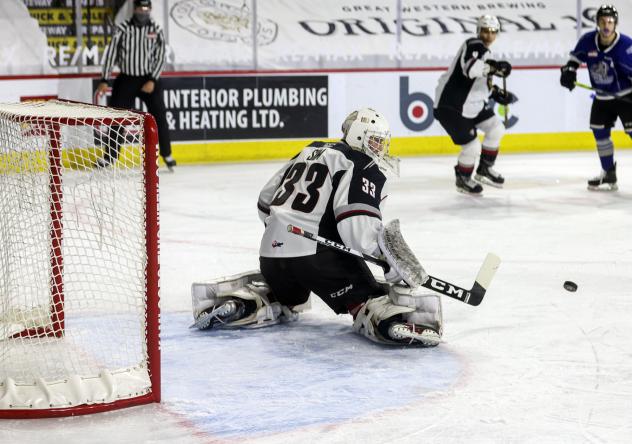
(533, 363)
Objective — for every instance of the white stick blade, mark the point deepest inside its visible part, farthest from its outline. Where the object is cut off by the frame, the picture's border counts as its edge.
(488, 270)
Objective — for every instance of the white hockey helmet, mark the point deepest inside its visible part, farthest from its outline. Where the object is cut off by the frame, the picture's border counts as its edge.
(487, 22)
(368, 131)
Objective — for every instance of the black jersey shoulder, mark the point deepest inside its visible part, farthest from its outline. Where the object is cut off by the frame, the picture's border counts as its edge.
(320, 144)
(475, 48)
(358, 158)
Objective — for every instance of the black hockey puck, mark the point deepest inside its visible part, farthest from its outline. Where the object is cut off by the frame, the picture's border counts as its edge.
(570, 286)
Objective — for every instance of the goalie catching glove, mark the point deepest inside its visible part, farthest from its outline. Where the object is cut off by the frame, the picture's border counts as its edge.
(403, 265)
(503, 97)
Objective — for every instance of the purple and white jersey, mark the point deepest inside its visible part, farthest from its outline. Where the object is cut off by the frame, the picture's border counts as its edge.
(610, 68)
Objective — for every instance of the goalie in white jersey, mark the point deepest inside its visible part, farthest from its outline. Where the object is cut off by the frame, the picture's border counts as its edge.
(336, 190)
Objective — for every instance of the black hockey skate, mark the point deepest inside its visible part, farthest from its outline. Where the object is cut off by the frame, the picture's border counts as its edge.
(170, 162)
(228, 311)
(606, 181)
(465, 184)
(487, 175)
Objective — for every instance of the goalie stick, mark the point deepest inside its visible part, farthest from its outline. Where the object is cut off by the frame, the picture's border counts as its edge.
(473, 296)
(506, 106)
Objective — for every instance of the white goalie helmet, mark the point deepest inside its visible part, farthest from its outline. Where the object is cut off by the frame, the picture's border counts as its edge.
(487, 22)
(368, 131)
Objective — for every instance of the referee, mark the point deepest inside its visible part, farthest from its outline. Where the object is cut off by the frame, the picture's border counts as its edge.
(138, 48)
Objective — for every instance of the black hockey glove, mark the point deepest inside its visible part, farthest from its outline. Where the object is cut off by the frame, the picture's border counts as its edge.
(500, 68)
(569, 76)
(503, 97)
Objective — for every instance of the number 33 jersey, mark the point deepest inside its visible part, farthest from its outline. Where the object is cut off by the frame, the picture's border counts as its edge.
(328, 189)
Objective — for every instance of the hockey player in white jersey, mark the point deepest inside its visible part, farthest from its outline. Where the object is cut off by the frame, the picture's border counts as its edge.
(338, 191)
(462, 107)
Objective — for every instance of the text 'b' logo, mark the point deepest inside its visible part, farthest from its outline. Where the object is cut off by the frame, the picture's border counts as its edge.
(415, 109)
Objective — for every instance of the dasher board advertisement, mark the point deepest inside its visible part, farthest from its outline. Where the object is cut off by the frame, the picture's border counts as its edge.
(226, 108)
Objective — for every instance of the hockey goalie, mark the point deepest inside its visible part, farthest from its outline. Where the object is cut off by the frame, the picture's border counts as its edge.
(337, 190)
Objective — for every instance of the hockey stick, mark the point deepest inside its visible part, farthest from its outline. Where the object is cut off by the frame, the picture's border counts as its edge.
(506, 106)
(600, 91)
(473, 296)
(585, 86)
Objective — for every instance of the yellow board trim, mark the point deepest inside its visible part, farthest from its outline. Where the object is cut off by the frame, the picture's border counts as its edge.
(243, 151)
(238, 151)
(20, 162)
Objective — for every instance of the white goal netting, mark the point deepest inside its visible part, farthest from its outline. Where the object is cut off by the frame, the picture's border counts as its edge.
(78, 272)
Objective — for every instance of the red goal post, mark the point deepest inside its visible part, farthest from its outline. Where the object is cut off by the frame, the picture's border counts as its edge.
(79, 270)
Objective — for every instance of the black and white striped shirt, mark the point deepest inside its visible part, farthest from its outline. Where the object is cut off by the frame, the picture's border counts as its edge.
(137, 50)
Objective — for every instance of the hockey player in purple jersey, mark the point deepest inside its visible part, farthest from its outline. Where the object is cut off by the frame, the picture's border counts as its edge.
(336, 190)
(608, 56)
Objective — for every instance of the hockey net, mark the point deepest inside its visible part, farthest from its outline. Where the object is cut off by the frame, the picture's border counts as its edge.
(78, 260)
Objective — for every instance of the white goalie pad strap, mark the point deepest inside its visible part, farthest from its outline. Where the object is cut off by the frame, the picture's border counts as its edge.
(372, 313)
(266, 313)
(426, 305)
(399, 255)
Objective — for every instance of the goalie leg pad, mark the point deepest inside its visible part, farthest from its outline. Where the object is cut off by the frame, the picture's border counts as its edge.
(374, 312)
(405, 316)
(237, 301)
(207, 294)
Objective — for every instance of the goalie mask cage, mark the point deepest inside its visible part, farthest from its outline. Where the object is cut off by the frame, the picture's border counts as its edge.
(79, 317)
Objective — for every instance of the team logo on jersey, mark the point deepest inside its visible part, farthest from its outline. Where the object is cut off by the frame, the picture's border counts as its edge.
(316, 154)
(593, 53)
(415, 109)
(601, 74)
(276, 244)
